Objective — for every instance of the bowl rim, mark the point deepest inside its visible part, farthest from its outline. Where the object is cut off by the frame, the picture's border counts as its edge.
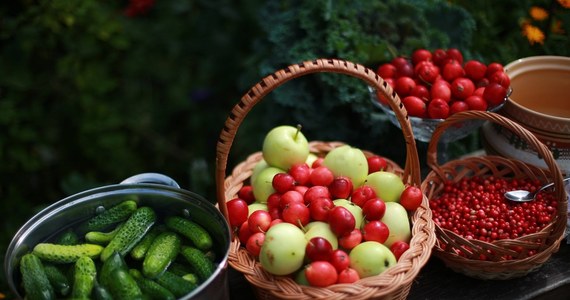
(553, 62)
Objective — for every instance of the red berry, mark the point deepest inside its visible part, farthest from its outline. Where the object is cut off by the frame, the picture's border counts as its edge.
(494, 94)
(415, 106)
(462, 88)
(475, 70)
(386, 70)
(438, 109)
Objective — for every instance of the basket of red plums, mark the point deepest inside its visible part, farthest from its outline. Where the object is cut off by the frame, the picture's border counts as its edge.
(436, 84)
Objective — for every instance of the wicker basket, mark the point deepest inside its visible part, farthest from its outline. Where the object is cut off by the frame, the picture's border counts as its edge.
(545, 242)
(395, 282)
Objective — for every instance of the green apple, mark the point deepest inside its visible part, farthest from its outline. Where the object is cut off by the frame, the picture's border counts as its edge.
(371, 258)
(300, 277)
(387, 185)
(283, 250)
(311, 159)
(256, 206)
(397, 219)
(285, 146)
(321, 229)
(353, 208)
(263, 184)
(259, 166)
(347, 161)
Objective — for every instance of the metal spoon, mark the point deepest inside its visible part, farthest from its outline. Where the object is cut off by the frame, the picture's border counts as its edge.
(525, 196)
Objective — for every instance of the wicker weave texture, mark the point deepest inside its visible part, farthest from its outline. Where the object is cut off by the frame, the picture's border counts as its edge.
(545, 242)
(395, 282)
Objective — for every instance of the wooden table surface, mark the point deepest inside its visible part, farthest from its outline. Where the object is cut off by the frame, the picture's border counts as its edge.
(437, 282)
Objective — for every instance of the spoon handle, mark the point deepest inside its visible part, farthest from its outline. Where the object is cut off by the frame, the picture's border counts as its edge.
(551, 184)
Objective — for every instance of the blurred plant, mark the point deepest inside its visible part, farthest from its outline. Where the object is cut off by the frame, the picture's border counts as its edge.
(546, 22)
(337, 107)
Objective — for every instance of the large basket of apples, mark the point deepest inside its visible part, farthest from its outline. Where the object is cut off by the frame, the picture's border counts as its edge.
(323, 219)
(480, 233)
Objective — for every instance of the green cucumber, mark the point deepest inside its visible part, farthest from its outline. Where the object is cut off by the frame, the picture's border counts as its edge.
(115, 261)
(180, 269)
(131, 232)
(102, 238)
(123, 286)
(150, 287)
(35, 280)
(58, 279)
(116, 214)
(194, 232)
(161, 253)
(69, 237)
(200, 263)
(62, 254)
(139, 250)
(191, 277)
(84, 278)
(100, 292)
(175, 284)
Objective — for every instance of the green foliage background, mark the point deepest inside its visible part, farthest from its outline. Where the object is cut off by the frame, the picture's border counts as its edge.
(89, 97)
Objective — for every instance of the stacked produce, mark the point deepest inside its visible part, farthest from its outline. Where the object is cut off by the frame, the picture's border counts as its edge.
(436, 84)
(126, 252)
(322, 220)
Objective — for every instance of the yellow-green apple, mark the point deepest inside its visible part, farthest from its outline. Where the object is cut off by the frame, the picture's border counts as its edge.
(387, 185)
(256, 206)
(259, 166)
(348, 161)
(283, 250)
(285, 146)
(353, 208)
(321, 229)
(263, 184)
(397, 219)
(371, 258)
(311, 159)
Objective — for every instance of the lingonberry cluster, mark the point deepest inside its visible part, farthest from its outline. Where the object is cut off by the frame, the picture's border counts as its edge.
(476, 208)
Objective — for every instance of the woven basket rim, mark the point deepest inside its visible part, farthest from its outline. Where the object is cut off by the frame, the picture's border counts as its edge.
(380, 285)
(494, 165)
(394, 282)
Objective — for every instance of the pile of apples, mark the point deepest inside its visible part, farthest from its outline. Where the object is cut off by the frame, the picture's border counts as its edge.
(436, 84)
(322, 220)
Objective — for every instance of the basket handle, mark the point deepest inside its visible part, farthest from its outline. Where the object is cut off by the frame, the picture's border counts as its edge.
(517, 129)
(269, 83)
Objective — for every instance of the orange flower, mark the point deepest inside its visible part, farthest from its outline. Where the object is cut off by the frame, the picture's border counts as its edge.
(533, 34)
(538, 13)
(564, 3)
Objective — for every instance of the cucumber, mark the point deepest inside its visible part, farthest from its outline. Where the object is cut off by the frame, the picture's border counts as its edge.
(175, 284)
(161, 253)
(180, 269)
(62, 254)
(200, 263)
(100, 292)
(69, 237)
(84, 278)
(109, 217)
(123, 286)
(151, 288)
(58, 279)
(191, 277)
(194, 232)
(101, 238)
(139, 251)
(131, 232)
(35, 280)
(114, 262)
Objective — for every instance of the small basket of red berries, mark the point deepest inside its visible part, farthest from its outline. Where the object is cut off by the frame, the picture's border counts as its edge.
(480, 233)
(323, 219)
(436, 84)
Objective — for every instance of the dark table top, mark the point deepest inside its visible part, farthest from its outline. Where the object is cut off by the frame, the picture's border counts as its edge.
(436, 281)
